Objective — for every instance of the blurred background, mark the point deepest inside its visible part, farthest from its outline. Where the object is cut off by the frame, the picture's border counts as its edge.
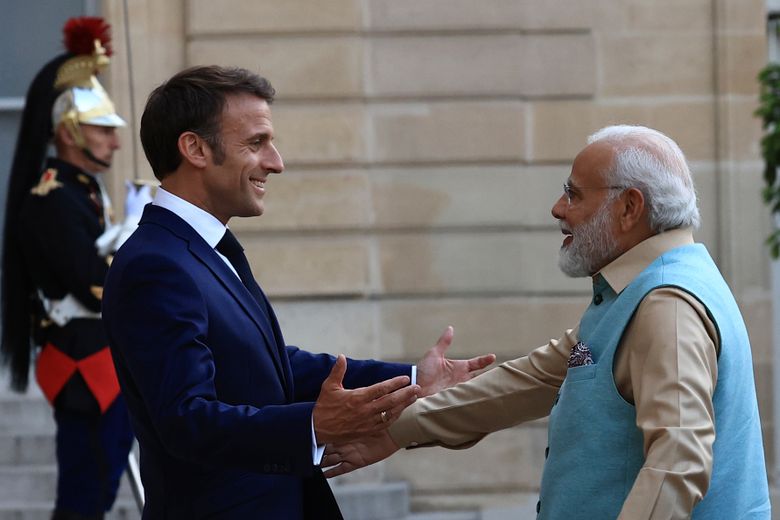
(425, 142)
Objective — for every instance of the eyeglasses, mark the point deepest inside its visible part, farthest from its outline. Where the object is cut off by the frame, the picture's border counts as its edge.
(572, 191)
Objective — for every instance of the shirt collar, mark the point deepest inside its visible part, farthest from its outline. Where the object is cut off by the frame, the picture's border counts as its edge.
(622, 271)
(203, 222)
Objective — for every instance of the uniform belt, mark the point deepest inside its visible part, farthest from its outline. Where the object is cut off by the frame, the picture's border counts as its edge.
(66, 309)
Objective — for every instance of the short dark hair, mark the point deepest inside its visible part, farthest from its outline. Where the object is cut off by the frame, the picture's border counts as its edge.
(193, 101)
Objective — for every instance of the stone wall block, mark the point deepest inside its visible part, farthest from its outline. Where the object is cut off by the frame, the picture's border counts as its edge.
(690, 16)
(509, 327)
(558, 65)
(448, 131)
(489, 261)
(560, 129)
(430, 197)
(509, 458)
(320, 134)
(705, 180)
(744, 57)
(297, 67)
(445, 65)
(319, 266)
(344, 326)
(756, 308)
(655, 65)
(488, 14)
(267, 16)
(504, 64)
(313, 200)
(742, 16)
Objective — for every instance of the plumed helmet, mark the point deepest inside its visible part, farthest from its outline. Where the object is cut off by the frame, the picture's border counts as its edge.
(83, 99)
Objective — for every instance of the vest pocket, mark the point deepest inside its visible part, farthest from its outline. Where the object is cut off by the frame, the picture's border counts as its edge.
(581, 373)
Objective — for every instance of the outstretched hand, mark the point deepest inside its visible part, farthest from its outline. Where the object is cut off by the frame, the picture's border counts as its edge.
(342, 415)
(344, 458)
(435, 372)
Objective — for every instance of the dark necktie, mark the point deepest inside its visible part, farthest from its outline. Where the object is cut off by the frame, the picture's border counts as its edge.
(233, 251)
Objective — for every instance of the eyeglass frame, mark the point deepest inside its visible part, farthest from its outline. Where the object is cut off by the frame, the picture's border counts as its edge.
(567, 189)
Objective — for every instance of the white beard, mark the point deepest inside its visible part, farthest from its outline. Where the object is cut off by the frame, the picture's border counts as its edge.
(592, 245)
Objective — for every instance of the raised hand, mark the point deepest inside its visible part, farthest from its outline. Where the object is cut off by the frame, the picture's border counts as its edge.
(342, 415)
(343, 458)
(435, 372)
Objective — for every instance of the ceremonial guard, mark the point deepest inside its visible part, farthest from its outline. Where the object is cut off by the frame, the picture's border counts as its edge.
(58, 243)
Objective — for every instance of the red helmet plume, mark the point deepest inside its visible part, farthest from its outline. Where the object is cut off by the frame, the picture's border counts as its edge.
(80, 34)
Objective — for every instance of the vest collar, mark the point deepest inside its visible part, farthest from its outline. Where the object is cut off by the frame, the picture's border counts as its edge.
(621, 271)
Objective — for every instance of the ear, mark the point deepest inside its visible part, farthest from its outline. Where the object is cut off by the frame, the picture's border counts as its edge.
(632, 209)
(62, 135)
(193, 149)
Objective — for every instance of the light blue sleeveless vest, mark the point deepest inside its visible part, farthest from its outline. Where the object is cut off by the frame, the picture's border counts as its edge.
(595, 449)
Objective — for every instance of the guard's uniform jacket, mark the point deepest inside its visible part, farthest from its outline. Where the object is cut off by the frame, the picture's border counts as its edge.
(61, 218)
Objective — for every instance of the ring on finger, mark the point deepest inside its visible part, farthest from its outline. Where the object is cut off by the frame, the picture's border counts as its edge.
(384, 416)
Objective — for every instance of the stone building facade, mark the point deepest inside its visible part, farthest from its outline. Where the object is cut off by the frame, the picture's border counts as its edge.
(425, 142)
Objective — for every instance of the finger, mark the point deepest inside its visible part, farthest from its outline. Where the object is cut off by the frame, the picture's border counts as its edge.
(399, 399)
(336, 376)
(444, 341)
(335, 471)
(378, 390)
(330, 459)
(393, 414)
(480, 362)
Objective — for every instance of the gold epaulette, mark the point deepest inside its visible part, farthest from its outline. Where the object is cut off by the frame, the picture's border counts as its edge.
(47, 183)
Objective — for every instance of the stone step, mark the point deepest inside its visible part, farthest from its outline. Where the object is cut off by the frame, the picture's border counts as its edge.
(24, 490)
(25, 414)
(20, 449)
(380, 501)
(41, 510)
(449, 515)
(33, 483)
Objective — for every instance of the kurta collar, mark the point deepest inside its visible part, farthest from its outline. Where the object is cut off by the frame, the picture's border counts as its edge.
(622, 271)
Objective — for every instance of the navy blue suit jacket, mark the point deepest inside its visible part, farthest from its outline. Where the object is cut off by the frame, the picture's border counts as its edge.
(221, 407)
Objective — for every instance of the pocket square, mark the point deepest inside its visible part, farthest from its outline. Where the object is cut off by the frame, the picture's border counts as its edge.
(580, 355)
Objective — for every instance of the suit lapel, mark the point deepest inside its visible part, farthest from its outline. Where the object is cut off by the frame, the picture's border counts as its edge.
(201, 250)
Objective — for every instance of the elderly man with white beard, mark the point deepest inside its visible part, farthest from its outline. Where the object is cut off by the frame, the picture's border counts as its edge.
(651, 397)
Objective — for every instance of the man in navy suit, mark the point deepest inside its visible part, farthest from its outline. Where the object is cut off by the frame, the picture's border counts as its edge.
(231, 422)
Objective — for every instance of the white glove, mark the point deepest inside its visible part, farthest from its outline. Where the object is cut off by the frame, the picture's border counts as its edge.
(115, 235)
(137, 198)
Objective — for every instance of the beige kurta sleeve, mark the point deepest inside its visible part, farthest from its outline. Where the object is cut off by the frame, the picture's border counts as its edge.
(519, 390)
(667, 366)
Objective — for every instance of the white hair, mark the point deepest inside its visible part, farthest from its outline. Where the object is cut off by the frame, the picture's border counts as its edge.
(650, 161)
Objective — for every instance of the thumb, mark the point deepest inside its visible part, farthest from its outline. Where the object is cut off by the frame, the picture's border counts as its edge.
(445, 340)
(336, 375)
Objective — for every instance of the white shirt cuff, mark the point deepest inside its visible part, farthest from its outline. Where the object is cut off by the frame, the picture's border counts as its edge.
(413, 377)
(317, 450)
